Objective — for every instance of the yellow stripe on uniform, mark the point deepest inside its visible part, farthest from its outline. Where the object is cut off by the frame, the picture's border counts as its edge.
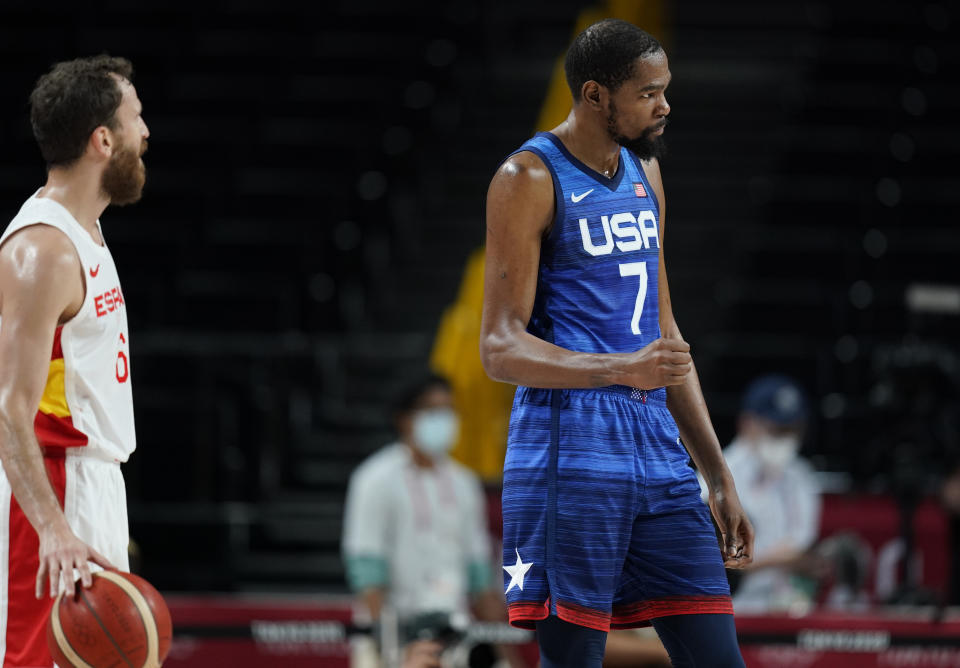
(54, 400)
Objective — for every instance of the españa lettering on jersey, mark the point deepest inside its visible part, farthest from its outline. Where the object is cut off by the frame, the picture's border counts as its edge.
(87, 400)
(108, 302)
(597, 290)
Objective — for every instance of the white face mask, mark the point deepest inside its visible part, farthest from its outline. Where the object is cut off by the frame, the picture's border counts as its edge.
(435, 431)
(776, 452)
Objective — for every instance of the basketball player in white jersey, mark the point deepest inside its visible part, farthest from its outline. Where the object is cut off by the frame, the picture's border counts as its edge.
(66, 410)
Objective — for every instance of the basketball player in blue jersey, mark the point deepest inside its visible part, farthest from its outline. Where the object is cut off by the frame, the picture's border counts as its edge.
(603, 522)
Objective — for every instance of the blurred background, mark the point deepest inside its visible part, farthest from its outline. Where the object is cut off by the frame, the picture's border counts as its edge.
(316, 184)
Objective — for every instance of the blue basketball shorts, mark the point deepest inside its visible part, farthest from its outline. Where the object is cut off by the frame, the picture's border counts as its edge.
(603, 525)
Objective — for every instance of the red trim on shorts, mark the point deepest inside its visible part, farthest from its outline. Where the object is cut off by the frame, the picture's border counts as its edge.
(583, 616)
(525, 614)
(642, 612)
(26, 616)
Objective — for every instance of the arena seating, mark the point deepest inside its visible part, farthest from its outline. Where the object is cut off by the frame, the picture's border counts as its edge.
(316, 181)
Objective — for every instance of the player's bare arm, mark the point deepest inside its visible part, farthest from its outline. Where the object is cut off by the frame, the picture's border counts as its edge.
(41, 286)
(520, 209)
(686, 403)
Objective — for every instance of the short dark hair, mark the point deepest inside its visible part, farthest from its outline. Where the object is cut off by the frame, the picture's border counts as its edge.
(606, 52)
(73, 99)
(411, 394)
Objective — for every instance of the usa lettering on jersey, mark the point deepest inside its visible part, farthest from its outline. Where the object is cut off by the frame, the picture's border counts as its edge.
(632, 233)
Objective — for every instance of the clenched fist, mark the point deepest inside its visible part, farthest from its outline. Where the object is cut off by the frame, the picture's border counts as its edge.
(660, 363)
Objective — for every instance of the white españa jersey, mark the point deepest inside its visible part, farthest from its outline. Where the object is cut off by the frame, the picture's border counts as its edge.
(87, 402)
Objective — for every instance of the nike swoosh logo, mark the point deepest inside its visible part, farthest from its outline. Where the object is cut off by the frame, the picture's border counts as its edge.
(94, 272)
(576, 198)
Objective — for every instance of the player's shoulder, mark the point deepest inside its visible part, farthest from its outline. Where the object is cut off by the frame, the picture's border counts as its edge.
(522, 188)
(39, 245)
(523, 168)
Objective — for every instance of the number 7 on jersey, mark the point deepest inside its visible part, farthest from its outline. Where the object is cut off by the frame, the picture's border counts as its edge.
(636, 269)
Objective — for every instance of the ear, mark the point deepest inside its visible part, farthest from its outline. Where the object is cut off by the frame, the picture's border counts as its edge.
(594, 95)
(101, 142)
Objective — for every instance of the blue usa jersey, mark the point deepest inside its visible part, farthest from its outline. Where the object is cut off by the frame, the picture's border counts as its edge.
(597, 289)
(603, 525)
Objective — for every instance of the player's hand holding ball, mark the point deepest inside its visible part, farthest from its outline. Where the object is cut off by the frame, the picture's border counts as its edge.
(62, 552)
(120, 620)
(660, 363)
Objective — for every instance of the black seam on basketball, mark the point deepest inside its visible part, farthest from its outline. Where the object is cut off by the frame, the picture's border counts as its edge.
(65, 639)
(103, 628)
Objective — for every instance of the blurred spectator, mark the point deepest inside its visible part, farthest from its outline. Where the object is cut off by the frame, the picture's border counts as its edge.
(423, 654)
(779, 493)
(415, 535)
(849, 558)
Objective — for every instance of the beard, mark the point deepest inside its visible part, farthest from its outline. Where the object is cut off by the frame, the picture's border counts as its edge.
(644, 146)
(125, 175)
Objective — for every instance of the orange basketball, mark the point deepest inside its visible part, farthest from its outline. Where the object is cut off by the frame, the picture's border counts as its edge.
(120, 621)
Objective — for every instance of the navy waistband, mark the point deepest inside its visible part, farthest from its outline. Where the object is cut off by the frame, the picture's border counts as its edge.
(657, 396)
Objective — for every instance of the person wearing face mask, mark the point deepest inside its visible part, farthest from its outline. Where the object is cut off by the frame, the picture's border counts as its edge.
(415, 532)
(779, 493)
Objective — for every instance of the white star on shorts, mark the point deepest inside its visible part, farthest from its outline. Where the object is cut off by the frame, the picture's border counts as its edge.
(516, 572)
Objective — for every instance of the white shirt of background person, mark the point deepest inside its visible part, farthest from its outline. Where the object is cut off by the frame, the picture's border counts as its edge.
(414, 522)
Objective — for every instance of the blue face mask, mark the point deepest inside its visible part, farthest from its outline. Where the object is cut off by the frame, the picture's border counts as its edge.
(435, 431)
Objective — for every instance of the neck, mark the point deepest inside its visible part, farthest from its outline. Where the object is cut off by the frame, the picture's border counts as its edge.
(420, 459)
(77, 189)
(590, 142)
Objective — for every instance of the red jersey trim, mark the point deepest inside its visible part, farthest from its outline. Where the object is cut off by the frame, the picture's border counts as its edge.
(57, 352)
(51, 430)
(58, 432)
